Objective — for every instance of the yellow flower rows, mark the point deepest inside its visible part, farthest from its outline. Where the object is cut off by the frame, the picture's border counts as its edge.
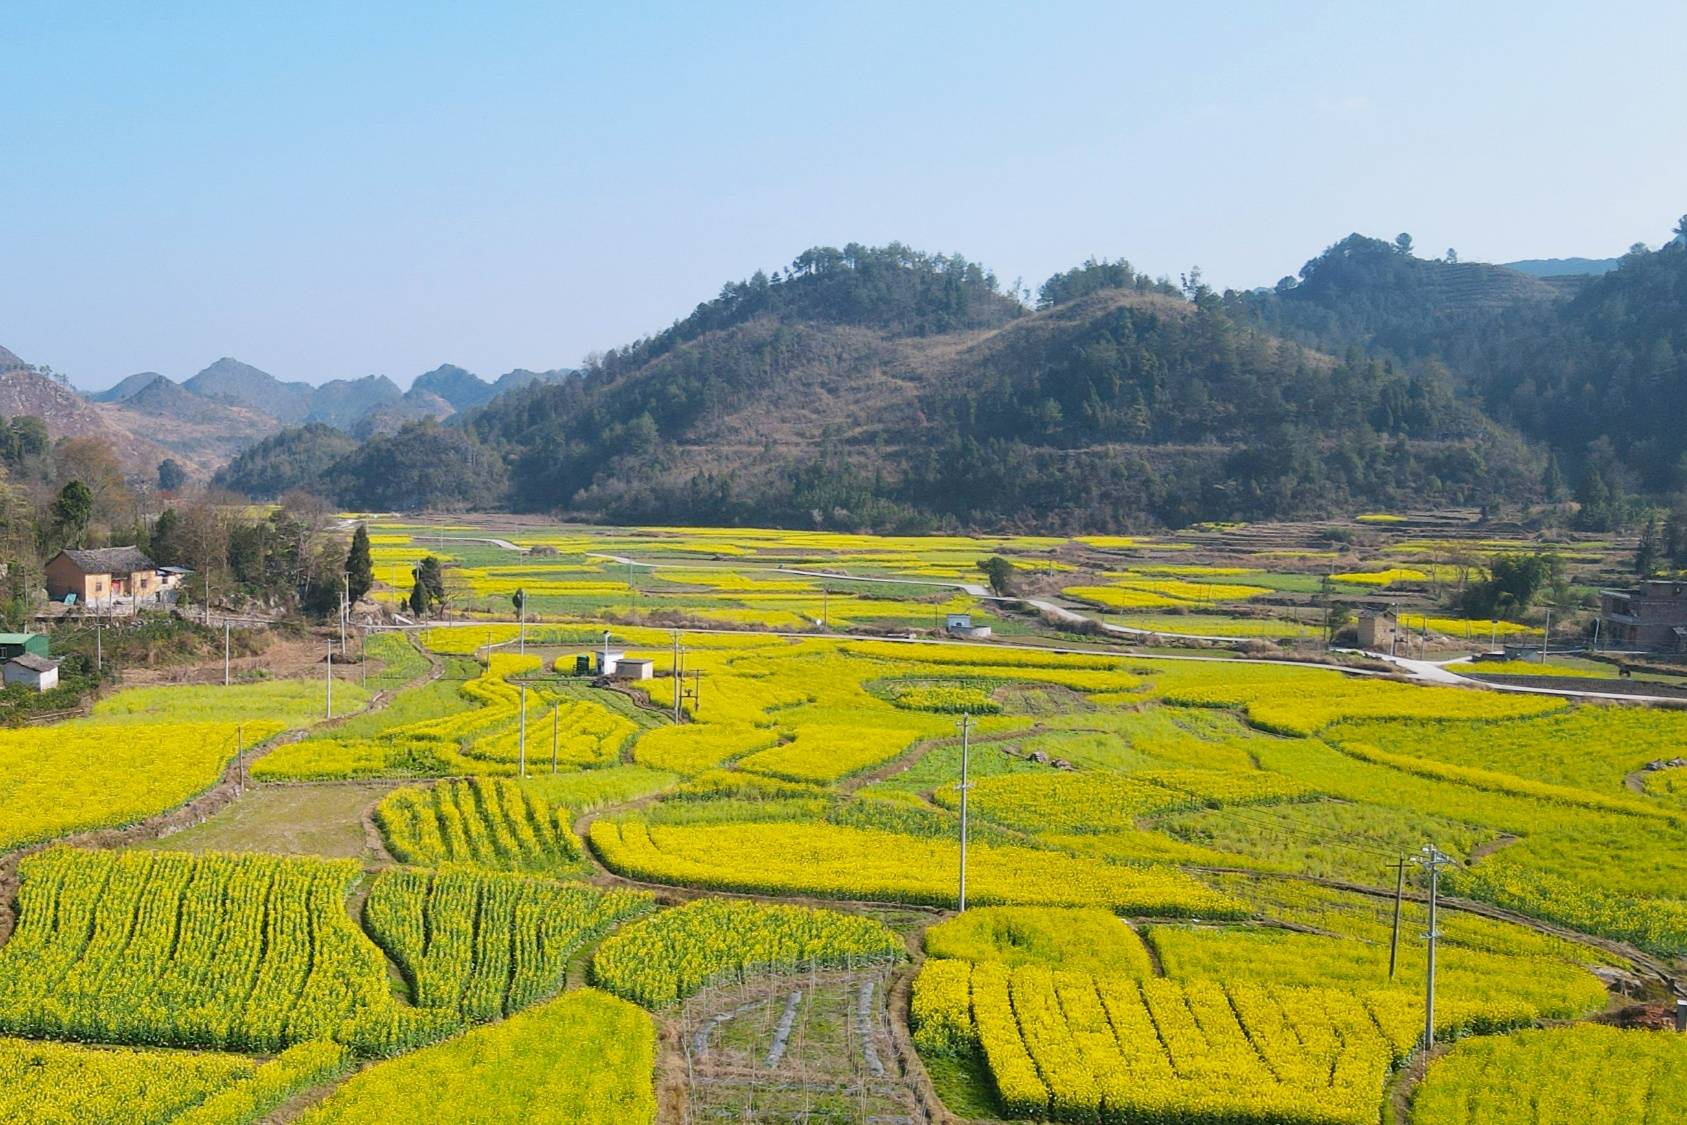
(1130, 590)
(1073, 1046)
(1476, 989)
(840, 862)
(828, 752)
(1387, 577)
(585, 1057)
(142, 751)
(487, 821)
(47, 1083)
(483, 944)
(1302, 701)
(1581, 1073)
(1086, 938)
(678, 952)
(248, 953)
(484, 738)
(296, 1069)
(694, 747)
(1655, 924)
(1460, 627)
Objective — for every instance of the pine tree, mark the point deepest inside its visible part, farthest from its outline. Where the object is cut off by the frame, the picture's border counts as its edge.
(360, 567)
(1552, 481)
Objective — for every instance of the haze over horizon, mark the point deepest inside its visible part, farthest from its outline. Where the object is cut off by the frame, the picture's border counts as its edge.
(328, 194)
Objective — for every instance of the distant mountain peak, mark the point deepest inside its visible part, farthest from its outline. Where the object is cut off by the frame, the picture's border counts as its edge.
(129, 387)
(459, 387)
(232, 381)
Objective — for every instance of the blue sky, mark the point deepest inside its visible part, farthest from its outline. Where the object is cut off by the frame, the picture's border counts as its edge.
(337, 190)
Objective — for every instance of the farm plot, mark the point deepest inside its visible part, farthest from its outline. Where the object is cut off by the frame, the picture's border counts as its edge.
(677, 952)
(856, 863)
(486, 821)
(1072, 1046)
(583, 1057)
(63, 1084)
(249, 953)
(484, 945)
(142, 751)
(1587, 1072)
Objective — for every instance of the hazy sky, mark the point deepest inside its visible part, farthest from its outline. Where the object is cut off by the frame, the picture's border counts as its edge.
(337, 190)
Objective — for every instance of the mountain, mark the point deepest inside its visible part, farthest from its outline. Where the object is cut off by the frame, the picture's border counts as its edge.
(1365, 292)
(521, 377)
(882, 387)
(229, 380)
(126, 388)
(67, 414)
(1604, 380)
(342, 402)
(1564, 267)
(460, 389)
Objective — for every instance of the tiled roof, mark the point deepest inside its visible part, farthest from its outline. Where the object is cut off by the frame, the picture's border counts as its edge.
(110, 560)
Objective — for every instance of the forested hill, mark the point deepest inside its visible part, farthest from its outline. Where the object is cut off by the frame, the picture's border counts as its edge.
(1593, 367)
(888, 388)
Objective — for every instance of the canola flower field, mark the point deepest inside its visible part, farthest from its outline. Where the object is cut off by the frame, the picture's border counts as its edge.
(1178, 878)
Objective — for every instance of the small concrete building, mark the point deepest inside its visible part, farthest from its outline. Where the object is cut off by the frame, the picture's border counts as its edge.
(960, 625)
(16, 644)
(634, 668)
(35, 672)
(1379, 630)
(608, 660)
(102, 574)
(1651, 617)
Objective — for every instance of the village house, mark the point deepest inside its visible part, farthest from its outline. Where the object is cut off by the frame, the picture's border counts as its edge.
(102, 574)
(960, 625)
(1652, 616)
(1379, 630)
(35, 672)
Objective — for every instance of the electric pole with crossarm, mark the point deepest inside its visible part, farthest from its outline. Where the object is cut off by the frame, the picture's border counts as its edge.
(1434, 859)
(966, 747)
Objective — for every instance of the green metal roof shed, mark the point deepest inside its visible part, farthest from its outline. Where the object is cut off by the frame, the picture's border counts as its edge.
(16, 644)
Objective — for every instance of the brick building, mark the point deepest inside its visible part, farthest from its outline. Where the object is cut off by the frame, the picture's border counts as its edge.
(1652, 616)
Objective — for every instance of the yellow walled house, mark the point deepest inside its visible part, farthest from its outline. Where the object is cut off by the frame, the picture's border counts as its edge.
(102, 574)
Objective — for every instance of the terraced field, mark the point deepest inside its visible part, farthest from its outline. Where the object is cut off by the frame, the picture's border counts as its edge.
(575, 901)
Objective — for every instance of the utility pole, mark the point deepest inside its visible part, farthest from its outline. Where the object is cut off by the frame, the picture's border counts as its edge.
(1399, 895)
(1434, 859)
(679, 676)
(523, 747)
(1546, 637)
(363, 655)
(225, 652)
(966, 752)
(328, 682)
(99, 647)
(240, 758)
(555, 707)
(345, 610)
